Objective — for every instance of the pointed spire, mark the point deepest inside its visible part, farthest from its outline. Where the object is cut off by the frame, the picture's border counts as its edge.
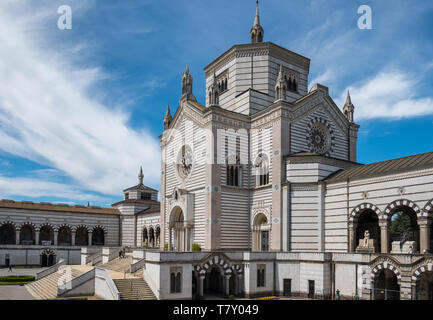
(348, 99)
(140, 176)
(257, 31)
(187, 69)
(168, 113)
(349, 108)
(280, 73)
(257, 18)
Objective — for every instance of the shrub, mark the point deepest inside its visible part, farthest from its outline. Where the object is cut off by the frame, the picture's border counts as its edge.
(166, 246)
(13, 279)
(196, 247)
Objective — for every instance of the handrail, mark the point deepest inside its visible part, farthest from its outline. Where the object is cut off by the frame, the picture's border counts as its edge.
(50, 270)
(138, 265)
(102, 273)
(68, 286)
(94, 258)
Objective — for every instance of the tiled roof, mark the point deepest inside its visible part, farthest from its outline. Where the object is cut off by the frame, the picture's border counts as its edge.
(139, 201)
(419, 161)
(155, 209)
(45, 206)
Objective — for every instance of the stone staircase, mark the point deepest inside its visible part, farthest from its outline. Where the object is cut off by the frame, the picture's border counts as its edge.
(134, 289)
(46, 288)
(118, 264)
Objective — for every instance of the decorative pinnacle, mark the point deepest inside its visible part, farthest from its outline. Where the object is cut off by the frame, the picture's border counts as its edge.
(257, 18)
(140, 176)
(348, 99)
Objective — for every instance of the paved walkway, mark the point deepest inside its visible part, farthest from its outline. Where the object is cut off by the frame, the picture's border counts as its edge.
(15, 293)
(20, 271)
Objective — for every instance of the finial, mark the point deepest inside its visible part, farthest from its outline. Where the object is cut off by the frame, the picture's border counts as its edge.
(187, 69)
(168, 113)
(140, 176)
(257, 31)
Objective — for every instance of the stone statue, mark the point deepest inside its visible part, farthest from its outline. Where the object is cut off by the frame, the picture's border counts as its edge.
(366, 238)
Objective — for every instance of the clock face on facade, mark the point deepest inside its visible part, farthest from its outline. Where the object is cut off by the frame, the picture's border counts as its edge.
(184, 161)
(319, 138)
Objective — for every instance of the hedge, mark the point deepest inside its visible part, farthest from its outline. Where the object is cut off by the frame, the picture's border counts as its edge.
(17, 278)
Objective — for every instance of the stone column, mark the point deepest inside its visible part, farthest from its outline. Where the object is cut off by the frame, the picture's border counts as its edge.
(56, 236)
(17, 236)
(201, 284)
(424, 230)
(37, 237)
(227, 277)
(384, 236)
(89, 240)
(352, 237)
(73, 233)
(169, 238)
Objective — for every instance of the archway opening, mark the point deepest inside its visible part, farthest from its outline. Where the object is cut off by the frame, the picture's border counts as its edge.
(368, 221)
(46, 235)
(151, 237)
(232, 284)
(386, 286)
(157, 236)
(98, 237)
(48, 258)
(145, 238)
(403, 228)
(424, 286)
(261, 230)
(64, 236)
(27, 235)
(7, 234)
(213, 282)
(82, 237)
(177, 230)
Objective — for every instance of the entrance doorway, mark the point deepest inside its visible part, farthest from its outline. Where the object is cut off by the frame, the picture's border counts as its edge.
(386, 286)
(48, 258)
(311, 288)
(287, 287)
(213, 282)
(424, 286)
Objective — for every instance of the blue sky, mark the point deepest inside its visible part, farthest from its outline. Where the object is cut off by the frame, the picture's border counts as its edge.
(81, 109)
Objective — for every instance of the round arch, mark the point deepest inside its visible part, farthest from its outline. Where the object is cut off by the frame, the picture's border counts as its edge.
(359, 209)
(260, 230)
(27, 233)
(64, 236)
(422, 282)
(98, 235)
(46, 234)
(7, 233)
(177, 235)
(145, 237)
(81, 235)
(395, 205)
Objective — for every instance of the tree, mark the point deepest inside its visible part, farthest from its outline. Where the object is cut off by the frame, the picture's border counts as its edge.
(400, 224)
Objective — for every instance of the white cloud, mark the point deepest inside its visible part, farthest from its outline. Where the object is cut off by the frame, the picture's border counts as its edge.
(35, 188)
(49, 114)
(324, 78)
(389, 94)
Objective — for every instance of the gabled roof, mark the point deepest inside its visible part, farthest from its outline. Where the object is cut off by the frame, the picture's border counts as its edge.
(415, 162)
(140, 186)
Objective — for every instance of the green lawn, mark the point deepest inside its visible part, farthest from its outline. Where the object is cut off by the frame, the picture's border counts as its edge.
(16, 280)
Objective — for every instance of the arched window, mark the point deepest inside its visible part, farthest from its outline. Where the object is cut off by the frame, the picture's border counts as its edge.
(294, 85)
(178, 282)
(64, 236)
(289, 84)
(7, 234)
(81, 236)
(145, 238)
(46, 235)
(98, 237)
(234, 172)
(151, 237)
(172, 282)
(157, 236)
(262, 170)
(27, 235)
